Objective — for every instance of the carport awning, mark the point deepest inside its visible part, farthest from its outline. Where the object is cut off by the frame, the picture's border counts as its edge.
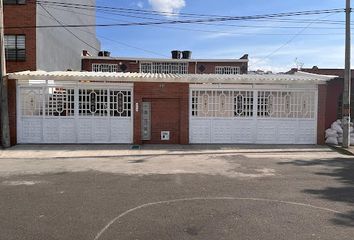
(298, 77)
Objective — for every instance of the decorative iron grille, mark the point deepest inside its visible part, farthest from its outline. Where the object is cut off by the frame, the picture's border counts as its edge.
(59, 102)
(222, 103)
(238, 104)
(120, 103)
(286, 104)
(31, 101)
(93, 102)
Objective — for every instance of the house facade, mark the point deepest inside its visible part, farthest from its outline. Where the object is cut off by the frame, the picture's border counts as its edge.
(142, 108)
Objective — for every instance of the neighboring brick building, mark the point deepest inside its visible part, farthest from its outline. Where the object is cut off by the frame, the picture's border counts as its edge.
(48, 49)
(334, 92)
(181, 65)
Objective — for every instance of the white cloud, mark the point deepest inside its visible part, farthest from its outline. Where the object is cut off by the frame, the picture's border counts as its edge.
(140, 4)
(167, 7)
(266, 64)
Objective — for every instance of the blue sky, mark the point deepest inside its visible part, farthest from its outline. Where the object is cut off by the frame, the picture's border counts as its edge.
(270, 46)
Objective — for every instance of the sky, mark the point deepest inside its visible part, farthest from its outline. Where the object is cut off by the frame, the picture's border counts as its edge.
(271, 45)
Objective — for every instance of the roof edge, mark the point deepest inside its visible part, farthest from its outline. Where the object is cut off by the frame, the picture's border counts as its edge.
(165, 59)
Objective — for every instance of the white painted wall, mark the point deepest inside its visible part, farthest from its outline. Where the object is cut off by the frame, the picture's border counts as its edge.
(57, 48)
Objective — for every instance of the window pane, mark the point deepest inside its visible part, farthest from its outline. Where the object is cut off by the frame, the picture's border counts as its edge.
(10, 41)
(21, 54)
(10, 54)
(21, 42)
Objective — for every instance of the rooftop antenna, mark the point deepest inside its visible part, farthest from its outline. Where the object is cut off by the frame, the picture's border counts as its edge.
(299, 64)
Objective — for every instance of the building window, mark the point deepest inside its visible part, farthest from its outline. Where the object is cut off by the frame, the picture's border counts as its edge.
(102, 67)
(164, 67)
(227, 70)
(14, 2)
(15, 47)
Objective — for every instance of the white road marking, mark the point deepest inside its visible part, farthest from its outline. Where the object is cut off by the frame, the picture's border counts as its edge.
(19, 183)
(209, 199)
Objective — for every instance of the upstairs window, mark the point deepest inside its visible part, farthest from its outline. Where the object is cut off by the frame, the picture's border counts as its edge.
(227, 70)
(164, 67)
(14, 2)
(103, 67)
(15, 47)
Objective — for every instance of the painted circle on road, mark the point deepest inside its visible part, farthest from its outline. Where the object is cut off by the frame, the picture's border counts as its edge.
(273, 210)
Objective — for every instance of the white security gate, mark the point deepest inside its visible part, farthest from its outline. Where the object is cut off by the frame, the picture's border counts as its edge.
(75, 113)
(253, 114)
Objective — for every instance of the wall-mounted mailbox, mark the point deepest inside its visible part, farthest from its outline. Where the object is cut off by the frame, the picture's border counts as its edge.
(165, 135)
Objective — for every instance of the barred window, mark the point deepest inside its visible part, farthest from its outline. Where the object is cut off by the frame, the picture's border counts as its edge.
(145, 68)
(120, 103)
(283, 104)
(227, 70)
(31, 102)
(164, 67)
(216, 103)
(15, 47)
(102, 67)
(59, 102)
(93, 102)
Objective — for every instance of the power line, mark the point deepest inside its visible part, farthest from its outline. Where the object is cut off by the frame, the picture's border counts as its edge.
(118, 42)
(288, 42)
(137, 12)
(207, 24)
(77, 37)
(151, 12)
(189, 21)
(208, 31)
(117, 11)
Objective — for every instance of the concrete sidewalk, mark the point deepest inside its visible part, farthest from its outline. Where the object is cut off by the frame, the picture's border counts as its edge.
(346, 151)
(89, 151)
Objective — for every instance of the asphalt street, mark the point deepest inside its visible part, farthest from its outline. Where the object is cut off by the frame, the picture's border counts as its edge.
(110, 193)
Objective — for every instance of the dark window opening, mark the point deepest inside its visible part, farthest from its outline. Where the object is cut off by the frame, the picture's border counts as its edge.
(15, 47)
(13, 2)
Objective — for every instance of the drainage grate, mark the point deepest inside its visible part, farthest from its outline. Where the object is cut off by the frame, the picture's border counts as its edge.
(135, 147)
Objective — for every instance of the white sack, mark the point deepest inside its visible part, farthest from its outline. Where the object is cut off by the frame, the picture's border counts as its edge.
(337, 127)
(332, 141)
(331, 133)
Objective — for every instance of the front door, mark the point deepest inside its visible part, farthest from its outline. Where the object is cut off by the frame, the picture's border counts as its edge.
(161, 121)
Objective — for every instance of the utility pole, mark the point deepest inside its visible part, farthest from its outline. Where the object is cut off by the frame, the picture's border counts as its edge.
(5, 132)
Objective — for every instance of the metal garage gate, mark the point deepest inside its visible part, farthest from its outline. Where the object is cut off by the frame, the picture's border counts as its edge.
(78, 113)
(253, 114)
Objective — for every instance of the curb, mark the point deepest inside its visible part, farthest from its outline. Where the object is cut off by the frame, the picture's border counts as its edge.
(341, 150)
